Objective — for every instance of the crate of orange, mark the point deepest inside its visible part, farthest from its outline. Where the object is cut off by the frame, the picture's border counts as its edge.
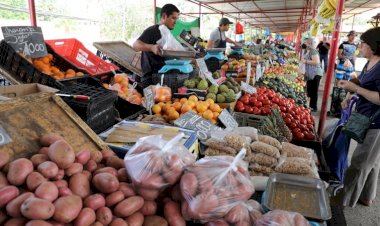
(45, 70)
(172, 110)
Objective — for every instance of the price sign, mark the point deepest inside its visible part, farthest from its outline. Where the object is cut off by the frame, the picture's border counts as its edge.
(249, 69)
(247, 88)
(211, 79)
(204, 73)
(149, 99)
(226, 118)
(259, 72)
(4, 137)
(192, 121)
(26, 39)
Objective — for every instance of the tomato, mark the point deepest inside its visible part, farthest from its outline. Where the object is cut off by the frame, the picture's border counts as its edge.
(252, 101)
(254, 95)
(275, 100)
(295, 130)
(266, 102)
(282, 102)
(283, 109)
(283, 115)
(303, 121)
(248, 109)
(270, 95)
(288, 115)
(310, 121)
(258, 103)
(309, 136)
(299, 135)
(292, 125)
(239, 106)
(246, 95)
(310, 126)
(260, 98)
(302, 127)
(297, 117)
(245, 100)
(287, 120)
(256, 111)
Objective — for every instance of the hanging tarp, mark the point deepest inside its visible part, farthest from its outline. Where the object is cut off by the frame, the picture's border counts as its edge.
(180, 25)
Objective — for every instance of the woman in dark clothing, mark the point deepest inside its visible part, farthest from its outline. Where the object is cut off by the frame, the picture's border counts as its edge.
(360, 183)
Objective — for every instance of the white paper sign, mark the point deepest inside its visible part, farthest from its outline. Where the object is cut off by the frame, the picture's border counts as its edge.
(247, 88)
(149, 99)
(211, 79)
(249, 69)
(259, 72)
(226, 118)
(202, 65)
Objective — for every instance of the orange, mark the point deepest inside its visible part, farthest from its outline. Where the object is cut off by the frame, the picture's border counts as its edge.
(45, 60)
(216, 115)
(50, 56)
(193, 98)
(156, 109)
(177, 106)
(106, 85)
(161, 104)
(79, 73)
(185, 108)
(213, 121)
(183, 100)
(202, 107)
(208, 115)
(173, 115)
(69, 75)
(215, 108)
(191, 103)
(176, 100)
(166, 107)
(210, 101)
(118, 78)
(54, 69)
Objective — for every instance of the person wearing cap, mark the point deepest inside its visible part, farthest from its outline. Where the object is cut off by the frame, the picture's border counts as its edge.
(151, 59)
(360, 183)
(218, 37)
(347, 49)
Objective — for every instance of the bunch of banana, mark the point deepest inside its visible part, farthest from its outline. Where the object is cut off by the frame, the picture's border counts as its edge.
(314, 30)
(329, 29)
(327, 8)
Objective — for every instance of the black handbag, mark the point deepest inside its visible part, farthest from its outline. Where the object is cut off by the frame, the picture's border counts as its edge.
(357, 125)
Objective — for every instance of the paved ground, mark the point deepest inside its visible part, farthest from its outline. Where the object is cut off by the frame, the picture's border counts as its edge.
(360, 215)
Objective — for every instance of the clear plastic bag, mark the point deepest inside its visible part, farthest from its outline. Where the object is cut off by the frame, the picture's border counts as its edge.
(161, 93)
(247, 131)
(153, 164)
(294, 165)
(167, 40)
(282, 218)
(292, 150)
(213, 186)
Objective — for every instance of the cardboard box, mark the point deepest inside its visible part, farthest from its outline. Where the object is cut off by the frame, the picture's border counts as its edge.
(24, 90)
(190, 140)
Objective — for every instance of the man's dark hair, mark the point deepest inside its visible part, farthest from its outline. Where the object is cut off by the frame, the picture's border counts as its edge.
(169, 9)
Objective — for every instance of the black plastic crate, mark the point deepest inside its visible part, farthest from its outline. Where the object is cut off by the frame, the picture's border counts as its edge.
(128, 110)
(174, 80)
(24, 71)
(143, 82)
(102, 120)
(108, 59)
(214, 64)
(88, 80)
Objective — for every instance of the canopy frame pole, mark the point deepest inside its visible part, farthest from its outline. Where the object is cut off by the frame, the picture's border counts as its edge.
(330, 66)
(32, 13)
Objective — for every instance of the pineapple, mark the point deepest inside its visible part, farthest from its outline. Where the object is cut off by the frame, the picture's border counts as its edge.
(281, 124)
(274, 126)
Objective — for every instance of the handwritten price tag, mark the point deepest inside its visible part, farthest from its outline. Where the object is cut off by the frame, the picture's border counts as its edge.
(247, 88)
(226, 118)
(149, 99)
(26, 39)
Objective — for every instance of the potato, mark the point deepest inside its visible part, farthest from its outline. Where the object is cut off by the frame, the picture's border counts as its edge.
(37, 159)
(91, 165)
(104, 215)
(47, 190)
(67, 208)
(122, 175)
(217, 223)
(151, 180)
(13, 207)
(37, 209)
(7, 194)
(171, 176)
(149, 208)
(19, 170)
(73, 169)
(155, 221)
(34, 180)
(38, 223)
(60, 175)
(107, 153)
(114, 198)
(62, 154)
(176, 193)
(189, 185)
(80, 185)
(48, 139)
(100, 166)
(107, 169)
(48, 169)
(88, 174)
(95, 201)
(64, 191)
(128, 206)
(61, 183)
(3, 180)
(83, 156)
(16, 222)
(127, 189)
(105, 182)
(172, 213)
(118, 222)
(148, 194)
(3, 217)
(136, 219)
(96, 156)
(86, 217)
(43, 150)
(237, 214)
(245, 191)
(115, 162)
(4, 158)
(97, 223)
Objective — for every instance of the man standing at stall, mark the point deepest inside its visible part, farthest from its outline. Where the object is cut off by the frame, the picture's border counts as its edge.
(347, 49)
(151, 59)
(218, 37)
(323, 49)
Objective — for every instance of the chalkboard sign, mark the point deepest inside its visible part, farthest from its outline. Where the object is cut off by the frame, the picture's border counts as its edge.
(25, 39)
(226, 118)
(201, 126)
(149, 99)
(4, 137)
(247, 88)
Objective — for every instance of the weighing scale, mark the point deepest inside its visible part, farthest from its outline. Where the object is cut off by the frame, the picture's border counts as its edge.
(237, 50)
(217, 53)
(183, 66)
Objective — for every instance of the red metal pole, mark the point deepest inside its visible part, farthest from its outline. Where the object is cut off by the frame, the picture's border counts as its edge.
(200, 10)
(330, 67)
(32, 13)
(155, 11)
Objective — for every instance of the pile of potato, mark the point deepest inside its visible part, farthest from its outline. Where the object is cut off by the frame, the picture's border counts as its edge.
(59, 186)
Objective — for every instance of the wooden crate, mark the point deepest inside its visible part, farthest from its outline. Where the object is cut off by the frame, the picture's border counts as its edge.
(25, 119)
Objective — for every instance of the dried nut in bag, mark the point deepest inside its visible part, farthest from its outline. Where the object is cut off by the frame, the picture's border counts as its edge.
(262, 169)
(270, 140)
(255, 173)
(291, 150)
(262, 159)
(220, 145)
(261, 147)
(213, 151)
(294, 167)
(235, 141)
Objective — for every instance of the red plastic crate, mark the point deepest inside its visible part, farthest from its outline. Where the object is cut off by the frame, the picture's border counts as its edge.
(75, 52)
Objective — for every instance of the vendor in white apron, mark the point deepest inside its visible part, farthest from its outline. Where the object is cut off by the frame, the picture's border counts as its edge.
(218, 37)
